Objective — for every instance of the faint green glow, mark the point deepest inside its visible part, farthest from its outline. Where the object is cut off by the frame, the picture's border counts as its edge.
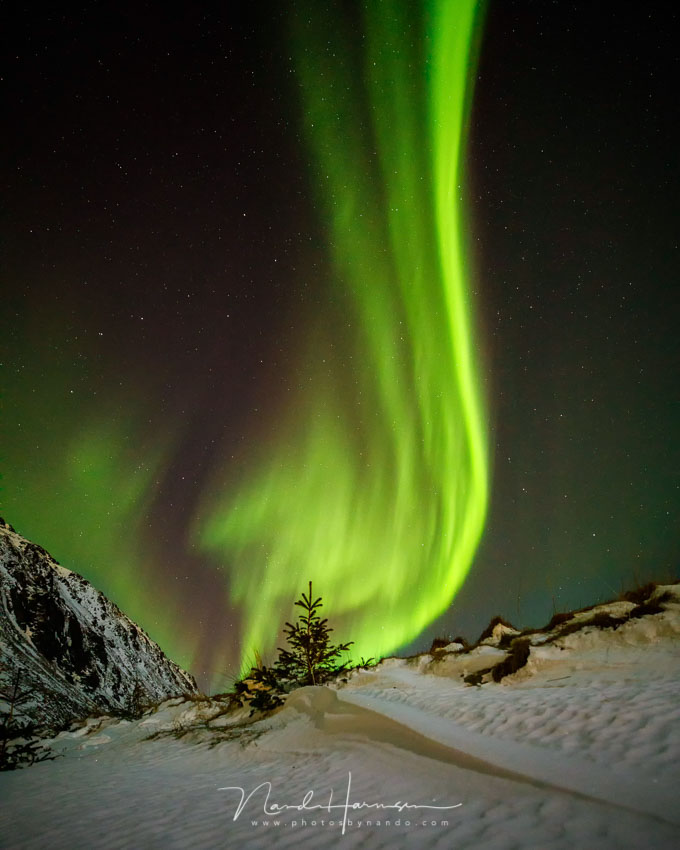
(375, 485)
(82, 487)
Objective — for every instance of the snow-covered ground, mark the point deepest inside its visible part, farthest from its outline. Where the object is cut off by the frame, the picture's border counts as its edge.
(579, 748)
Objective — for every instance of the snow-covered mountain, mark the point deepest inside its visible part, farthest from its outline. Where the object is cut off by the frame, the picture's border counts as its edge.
(77, 651)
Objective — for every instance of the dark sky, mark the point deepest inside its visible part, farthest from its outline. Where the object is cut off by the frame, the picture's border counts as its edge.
(163, 256)
(573, 159)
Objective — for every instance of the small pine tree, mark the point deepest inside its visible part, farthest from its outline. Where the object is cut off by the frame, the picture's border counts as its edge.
(18, 746)
(311, 660)
(137, 703)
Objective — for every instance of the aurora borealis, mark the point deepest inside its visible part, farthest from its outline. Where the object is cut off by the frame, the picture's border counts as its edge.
(366, 293)
(379, 479)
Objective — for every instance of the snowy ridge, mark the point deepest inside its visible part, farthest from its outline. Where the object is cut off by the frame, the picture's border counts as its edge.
(76, 649)
(579, 747)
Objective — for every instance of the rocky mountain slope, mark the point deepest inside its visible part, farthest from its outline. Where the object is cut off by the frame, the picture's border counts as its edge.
(78, 653)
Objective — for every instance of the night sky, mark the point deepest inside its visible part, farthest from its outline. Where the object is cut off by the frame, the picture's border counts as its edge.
(195, 319)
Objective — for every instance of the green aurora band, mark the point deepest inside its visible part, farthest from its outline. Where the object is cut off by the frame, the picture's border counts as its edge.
(375, 485)
(93, 475)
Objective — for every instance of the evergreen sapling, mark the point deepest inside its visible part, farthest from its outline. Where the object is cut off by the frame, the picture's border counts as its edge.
(18, 746)
(311, 659)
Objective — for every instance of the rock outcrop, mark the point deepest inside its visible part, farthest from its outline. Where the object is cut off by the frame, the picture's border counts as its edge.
(77, 652)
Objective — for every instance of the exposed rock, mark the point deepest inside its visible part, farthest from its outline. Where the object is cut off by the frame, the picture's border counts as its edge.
(498, 631)
(643, 617)
(456, 646)
(77, 651)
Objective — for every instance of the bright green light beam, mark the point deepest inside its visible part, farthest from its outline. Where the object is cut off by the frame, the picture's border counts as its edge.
(375, 484)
